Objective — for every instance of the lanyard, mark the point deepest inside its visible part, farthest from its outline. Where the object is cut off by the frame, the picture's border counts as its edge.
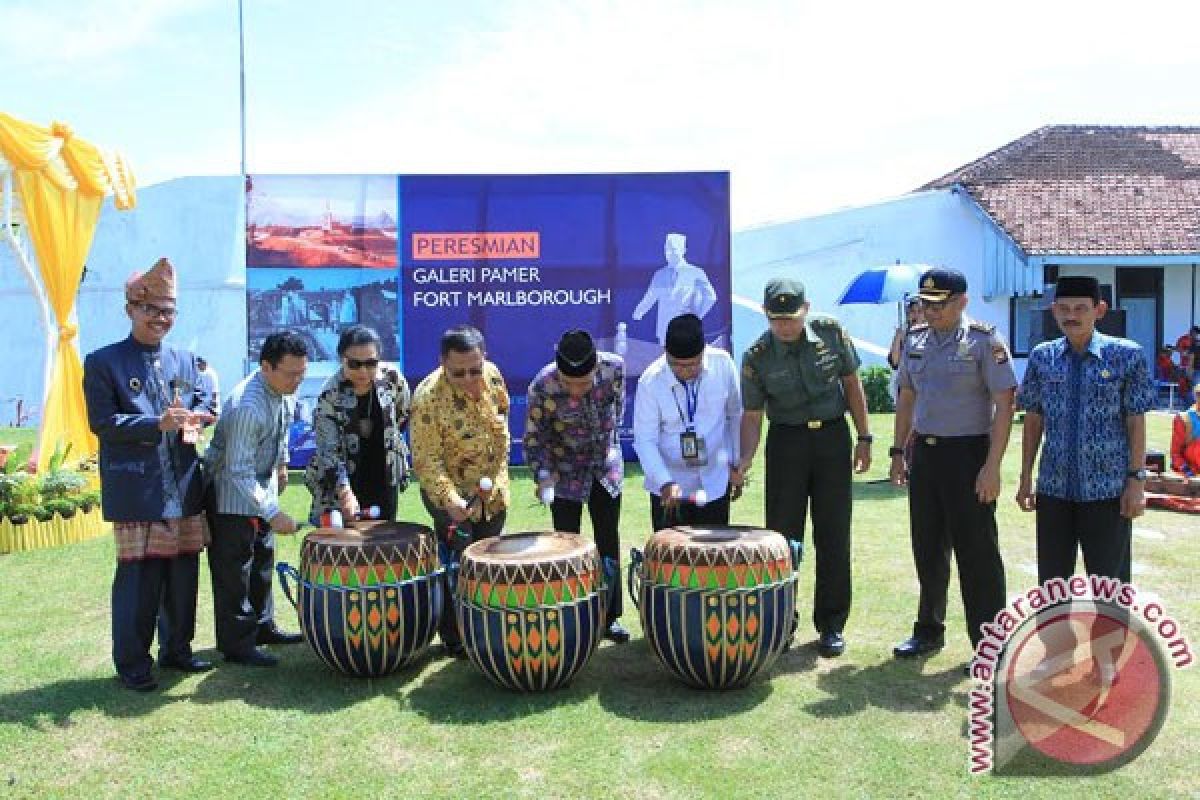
(691, 393)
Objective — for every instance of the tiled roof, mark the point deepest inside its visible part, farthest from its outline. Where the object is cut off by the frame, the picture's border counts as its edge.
(1090, 190)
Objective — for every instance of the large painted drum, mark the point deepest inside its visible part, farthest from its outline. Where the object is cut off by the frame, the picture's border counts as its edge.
(717, 604)
(370, 595)
(530, 607)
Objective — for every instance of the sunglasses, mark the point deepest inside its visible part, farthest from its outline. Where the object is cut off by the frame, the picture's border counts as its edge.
(354, 363)
(937, 305)
(151, 310)
(474, 372)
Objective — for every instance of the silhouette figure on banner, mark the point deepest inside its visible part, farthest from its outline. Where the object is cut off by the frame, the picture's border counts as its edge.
(678, 288)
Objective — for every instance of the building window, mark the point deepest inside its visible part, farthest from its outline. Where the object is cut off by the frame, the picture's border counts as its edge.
(1026, 321)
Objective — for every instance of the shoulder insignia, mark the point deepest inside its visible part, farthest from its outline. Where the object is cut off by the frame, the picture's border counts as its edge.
(982, 327)
(999, 353)
(824, 321)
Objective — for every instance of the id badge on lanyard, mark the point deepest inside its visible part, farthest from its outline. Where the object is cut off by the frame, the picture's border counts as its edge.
(691, 445)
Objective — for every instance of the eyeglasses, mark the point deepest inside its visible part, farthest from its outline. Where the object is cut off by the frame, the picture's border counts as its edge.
(354, 363)
(151, 310)
(474, 372)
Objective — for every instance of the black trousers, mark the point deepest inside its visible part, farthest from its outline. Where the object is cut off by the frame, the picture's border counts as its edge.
(1097, 528)
(605, 513)
(486, 528)
(807, 466)
(945, 516)
(144, 592)
(241, 559)
(715, 512)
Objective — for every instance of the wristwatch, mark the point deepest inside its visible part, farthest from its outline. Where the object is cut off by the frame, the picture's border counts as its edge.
(895, 451)
(865, 438)
(1137, 474)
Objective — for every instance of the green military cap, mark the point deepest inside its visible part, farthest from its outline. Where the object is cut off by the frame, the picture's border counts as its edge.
(783, 298)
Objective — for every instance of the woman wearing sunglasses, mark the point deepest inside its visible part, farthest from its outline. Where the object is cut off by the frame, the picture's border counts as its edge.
(361, 459)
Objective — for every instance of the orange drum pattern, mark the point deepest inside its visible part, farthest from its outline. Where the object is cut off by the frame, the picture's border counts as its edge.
(370, 597)
(717, 604)
(530, 607)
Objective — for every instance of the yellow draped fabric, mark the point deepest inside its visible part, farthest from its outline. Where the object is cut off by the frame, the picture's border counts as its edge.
(61, 203)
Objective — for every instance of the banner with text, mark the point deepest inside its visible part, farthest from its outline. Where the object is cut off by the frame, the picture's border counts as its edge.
(521, 257)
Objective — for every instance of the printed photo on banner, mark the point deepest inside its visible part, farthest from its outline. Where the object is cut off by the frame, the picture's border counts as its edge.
(304, 221)
(318, 304)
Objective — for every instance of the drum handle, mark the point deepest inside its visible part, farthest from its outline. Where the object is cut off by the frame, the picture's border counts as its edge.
(797, 547)
(286, 571)
(635, 577)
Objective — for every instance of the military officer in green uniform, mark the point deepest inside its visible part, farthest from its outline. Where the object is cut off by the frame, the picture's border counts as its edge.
(803, 374)
(956, 387)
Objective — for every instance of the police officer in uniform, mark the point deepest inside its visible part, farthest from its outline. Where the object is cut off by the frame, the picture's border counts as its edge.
(803, 374)
(956, 390)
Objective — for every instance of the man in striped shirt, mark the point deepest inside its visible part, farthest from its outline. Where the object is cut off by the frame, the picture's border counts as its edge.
(247, 460)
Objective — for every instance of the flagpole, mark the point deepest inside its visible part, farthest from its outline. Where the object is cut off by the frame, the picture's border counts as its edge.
(242, 80)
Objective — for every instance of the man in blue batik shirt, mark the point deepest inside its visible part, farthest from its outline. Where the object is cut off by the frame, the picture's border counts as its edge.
(1089, 394)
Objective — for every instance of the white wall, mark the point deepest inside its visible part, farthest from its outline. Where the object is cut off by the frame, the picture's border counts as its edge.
(939, 228)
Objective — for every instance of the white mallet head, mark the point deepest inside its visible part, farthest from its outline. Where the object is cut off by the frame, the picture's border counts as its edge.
(700, 497)
(485, 484)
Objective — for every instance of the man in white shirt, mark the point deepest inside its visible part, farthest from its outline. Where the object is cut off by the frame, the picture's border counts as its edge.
(686, 419)
(678, 288)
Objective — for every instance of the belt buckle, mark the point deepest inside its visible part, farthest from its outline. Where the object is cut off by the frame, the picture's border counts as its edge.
(931, 440)
(814, 424)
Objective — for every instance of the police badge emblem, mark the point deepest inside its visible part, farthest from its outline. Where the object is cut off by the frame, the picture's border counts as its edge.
(135, 385)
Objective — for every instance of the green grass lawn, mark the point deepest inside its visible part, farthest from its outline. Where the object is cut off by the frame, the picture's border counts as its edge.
(863, 725)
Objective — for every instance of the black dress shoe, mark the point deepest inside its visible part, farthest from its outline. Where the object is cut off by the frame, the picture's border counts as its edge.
(138, 683)
(616, 632)
(276, 636)
(253, 658)
(189, 664)
(831, 644)
(454, 649)
(915, 646)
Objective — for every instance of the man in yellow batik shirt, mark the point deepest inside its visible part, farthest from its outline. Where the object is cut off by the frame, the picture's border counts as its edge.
(459, 430)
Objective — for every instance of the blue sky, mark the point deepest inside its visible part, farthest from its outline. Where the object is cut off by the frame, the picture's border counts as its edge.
(811, 105)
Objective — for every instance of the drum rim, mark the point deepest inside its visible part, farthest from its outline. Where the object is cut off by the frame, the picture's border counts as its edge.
(687, 532)
(348, 537)
(582, 549)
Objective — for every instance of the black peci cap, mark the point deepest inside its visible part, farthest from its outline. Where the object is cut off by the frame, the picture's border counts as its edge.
(575, 355)
(685, 337)
(1078, 286)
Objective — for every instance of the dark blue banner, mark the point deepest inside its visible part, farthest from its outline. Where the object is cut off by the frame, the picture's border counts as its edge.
(526, 257)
